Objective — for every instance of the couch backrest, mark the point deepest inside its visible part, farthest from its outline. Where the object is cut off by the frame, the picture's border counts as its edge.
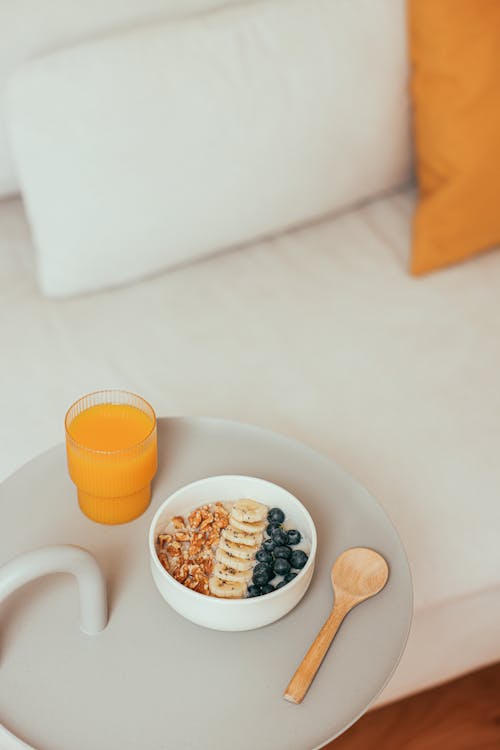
(146, 149)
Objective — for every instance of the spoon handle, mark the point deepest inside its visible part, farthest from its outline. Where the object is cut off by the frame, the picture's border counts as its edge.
(301, 681)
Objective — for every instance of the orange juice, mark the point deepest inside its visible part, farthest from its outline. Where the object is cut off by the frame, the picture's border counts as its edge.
(112, 455)
(110, 427)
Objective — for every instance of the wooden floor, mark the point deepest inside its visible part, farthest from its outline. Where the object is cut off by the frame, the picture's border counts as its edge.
(462, 715)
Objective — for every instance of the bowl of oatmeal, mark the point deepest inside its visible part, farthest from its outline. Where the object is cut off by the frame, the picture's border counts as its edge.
(232, 552)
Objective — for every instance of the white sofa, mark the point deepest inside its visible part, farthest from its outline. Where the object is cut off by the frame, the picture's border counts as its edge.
(319, 333)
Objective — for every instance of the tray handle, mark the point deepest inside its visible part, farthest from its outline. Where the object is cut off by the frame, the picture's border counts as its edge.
(60, 558)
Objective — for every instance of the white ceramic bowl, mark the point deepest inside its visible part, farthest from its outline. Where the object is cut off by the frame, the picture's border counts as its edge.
(232, 614)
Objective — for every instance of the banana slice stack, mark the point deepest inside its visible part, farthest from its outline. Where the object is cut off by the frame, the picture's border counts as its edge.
(235, 555)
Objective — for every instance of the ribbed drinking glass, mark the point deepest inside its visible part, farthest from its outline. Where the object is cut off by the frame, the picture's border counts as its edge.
(111, 446)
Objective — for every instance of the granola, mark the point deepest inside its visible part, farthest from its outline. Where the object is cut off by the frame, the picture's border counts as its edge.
(186, 549)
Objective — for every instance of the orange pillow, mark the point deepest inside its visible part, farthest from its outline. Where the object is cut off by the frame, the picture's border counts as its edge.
(455, 56)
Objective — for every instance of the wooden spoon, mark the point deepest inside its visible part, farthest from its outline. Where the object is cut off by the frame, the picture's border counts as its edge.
(357, 574)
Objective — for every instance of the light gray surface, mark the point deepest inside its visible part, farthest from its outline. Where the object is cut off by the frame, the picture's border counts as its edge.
(153, 680)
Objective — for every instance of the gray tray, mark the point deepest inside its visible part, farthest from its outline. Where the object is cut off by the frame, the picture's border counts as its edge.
(154, 681)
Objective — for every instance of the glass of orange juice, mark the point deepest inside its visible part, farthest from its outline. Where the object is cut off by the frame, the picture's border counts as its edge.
(111, 447)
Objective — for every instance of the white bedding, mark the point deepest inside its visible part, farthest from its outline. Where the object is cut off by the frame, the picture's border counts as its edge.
(142, 150)
(33, 28)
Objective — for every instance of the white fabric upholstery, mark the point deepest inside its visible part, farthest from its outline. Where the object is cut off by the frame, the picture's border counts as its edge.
(322, 335)
(173, 141)
(29, 28)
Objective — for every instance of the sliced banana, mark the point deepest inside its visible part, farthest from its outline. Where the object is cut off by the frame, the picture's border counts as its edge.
(249, 511)
(243, 551)
(248, 528)
(235, 554)
(231, 561)
(227, 573)
(227, 589)
(241, 537)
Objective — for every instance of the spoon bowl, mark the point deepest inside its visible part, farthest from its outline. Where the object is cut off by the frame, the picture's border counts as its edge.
(359, 572)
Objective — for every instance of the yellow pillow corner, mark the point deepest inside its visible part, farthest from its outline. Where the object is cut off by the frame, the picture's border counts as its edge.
(455, 85)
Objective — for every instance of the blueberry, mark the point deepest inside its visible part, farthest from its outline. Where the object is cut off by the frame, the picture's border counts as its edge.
(271, 526)
(254, 591)
(298, 559)
(284, 552)
(279, 536)
(276, 515)
(267, 588)
(260, 579)
(281, 567)
(262, 574)
(268, 545)
(293, 536)
(263, 556)
(289, 577)
(262, 567)
(280, 585)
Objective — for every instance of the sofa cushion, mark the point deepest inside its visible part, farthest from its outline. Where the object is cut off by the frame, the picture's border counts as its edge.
(455, 51)
(321, 335)
(29, 28)
(144, 150)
